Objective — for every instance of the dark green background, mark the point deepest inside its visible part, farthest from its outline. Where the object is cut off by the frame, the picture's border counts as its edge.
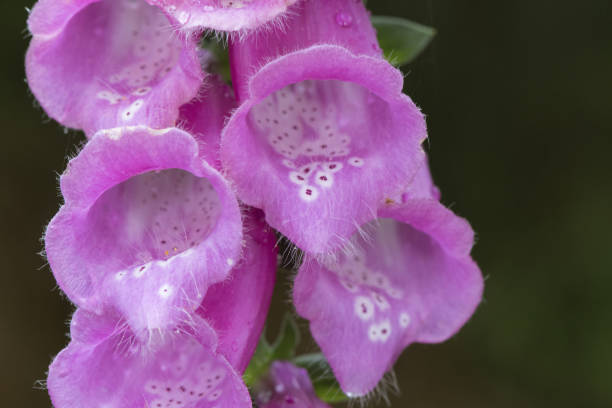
(517, 95)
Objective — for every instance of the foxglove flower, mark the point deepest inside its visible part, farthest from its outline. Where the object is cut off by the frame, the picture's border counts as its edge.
(197, 364)
(409, 278)
(323, 134)
(205, 116)
(237, 308)
(223, 15)
(148, 225)
(288, 386)
(105, 365)
(98, 64)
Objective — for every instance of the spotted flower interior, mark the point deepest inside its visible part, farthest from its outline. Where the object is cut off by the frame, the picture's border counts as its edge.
(397, 286)
(317, 132)
(327, 153)
(131, 66)
(155, 215)
(115, 370)
(141, 230)
(323, 121)
(146, 242)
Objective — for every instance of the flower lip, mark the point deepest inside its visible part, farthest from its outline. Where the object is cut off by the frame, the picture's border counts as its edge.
(146, 228)
(223, 15)
(454, 234)
(324, 61)
(49, 17)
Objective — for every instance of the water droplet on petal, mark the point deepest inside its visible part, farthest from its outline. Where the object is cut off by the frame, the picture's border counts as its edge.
(344, 19)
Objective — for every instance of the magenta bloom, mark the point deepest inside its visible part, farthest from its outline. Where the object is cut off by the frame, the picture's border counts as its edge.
(323, 134)
(197, 364)
(148, 225)
(287, 386)
(412, 280)
(98, 64)
(237, 308)
(223, 15)
(105, 365)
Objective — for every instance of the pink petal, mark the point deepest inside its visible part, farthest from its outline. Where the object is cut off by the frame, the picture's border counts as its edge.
(223, 15)
(323, 134)
(112, 369)
(288, 386)
(100, 64)
(205, 116)
(412, 280)
(237, 308)
(147, 227)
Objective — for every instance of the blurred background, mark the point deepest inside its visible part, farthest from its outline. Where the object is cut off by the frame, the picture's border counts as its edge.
(517, 96)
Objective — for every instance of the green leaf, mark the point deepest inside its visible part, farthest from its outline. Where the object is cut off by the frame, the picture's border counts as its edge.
(288, 339)
(283, 348)
(325, 384)
(220, 62)
(329, 391)
(259, 364)
(401, 40)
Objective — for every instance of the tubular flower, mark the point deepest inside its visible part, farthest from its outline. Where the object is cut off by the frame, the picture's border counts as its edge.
(223, 15)
(147, 225)
(99, 64)
(323, 133)
(205, 116)
(196, 364)
(409, 278)
(105, 365)
(288, 386)
(237, 308)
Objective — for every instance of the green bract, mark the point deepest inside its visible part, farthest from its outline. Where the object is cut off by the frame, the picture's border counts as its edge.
(401, 40)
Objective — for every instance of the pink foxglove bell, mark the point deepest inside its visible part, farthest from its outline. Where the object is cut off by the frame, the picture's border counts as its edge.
(323, 134)
(408, 278)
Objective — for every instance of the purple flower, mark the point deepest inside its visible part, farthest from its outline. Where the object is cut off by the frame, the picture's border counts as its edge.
(105, 365)
(237, 308)
(98, 64)
(324, 133)
(147, 225)
(288, 386)
(224, 15)
(206, 115)
(199, 362)
(409, 278)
